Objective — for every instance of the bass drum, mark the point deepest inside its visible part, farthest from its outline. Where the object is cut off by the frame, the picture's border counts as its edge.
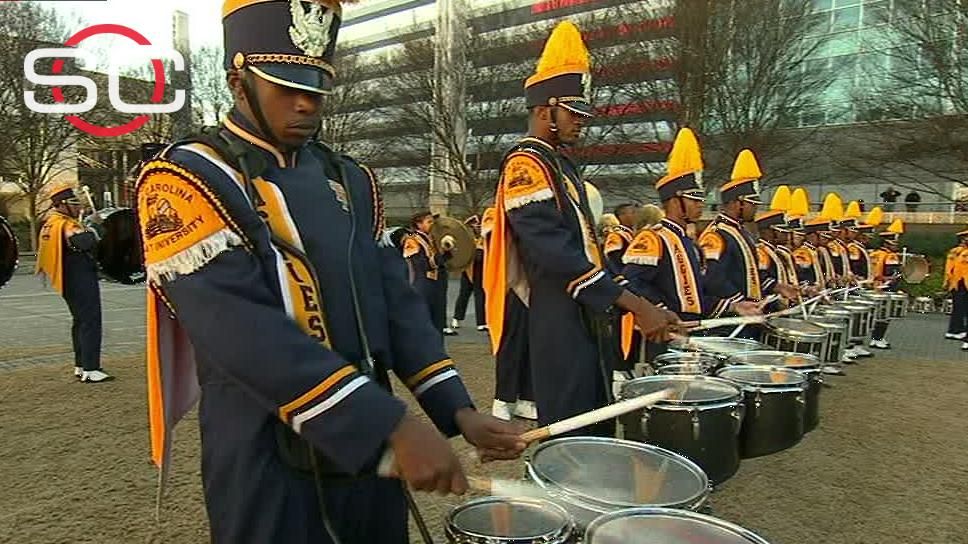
(119, 252)
(8, 252)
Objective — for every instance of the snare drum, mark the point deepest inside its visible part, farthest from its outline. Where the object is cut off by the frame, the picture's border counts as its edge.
(719, 347)
(666, 526)
(796, 335)
(591, 476)
(775, 400)
(883, 301)
(809, 365)
(838, 334)
(709, 363)
(898, 305)
(859, 321)
(702, 422)
(497, 520)
(684, 369)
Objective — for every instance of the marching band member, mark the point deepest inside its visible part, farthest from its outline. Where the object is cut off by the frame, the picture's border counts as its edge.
(839, 261)
(472, 281)
(853, 235)
(66, 262)
(618, 238)
(544, 246)
(428, 272)
(956, 281)
(513, 392)
(810, 269)
(663, 263)
(886, 264)
(272, 295)
(775, 268)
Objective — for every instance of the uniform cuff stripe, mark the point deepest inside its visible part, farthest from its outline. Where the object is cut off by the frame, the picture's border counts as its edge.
(415, 380)
(347, 390)
(307, 397)
(586, 283)
(443, 376)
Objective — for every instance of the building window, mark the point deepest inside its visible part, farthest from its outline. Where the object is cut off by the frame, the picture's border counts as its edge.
(876, 13)
(822, 5)
(846, 19)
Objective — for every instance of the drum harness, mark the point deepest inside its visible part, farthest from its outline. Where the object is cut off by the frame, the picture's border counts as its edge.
(251, 164)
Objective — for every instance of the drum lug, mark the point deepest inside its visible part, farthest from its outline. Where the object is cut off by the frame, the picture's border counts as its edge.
(695, 423)
(801, 402)
(738, 412)
(644, 424)
(757, 402)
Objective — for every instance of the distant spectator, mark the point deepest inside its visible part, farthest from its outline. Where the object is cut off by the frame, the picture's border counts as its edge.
(889, 197)
(860, 202)
(911, 201)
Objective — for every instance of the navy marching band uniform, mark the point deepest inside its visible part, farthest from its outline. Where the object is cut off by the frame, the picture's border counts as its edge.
(428, 274)
(544, 249)
(472, 282)
(66, 259)
(617, 241)
(886, 264)
(252, 282)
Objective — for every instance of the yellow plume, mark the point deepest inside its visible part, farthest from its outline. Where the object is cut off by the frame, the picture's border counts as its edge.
(781, 199)
(853, 210)
(746, 167)
(564, 53)
(897, 227)
(799, 203)
(685, 157)
(833, 207)
(875, 217)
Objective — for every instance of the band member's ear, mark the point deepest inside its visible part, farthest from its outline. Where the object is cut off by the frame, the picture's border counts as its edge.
(234, 80)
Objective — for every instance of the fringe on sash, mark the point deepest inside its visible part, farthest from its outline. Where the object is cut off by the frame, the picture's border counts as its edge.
(192, 259)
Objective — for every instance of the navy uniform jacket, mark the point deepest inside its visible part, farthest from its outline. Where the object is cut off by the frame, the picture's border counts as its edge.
(273, 330)
(860, 260)
(617, 242)
(770, 266)
(886, 263)
(788, 264)
(663, 265)
(732, 266)
(565, 275)
(838, 257)
(424, 261)
(826, 262)
(810, 270)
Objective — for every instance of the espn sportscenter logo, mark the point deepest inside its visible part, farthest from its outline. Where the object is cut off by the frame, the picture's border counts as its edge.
(72, 111)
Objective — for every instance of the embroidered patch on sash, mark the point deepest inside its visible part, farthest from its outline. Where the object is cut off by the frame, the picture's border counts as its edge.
(712, 245)
(175, 216)
(646, 249)
(613, 242)
(525, 181)
(410, 247)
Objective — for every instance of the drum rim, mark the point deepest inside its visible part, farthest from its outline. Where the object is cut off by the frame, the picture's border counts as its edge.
(659, 371)
(814, 365)
(591, 503)
(602, 520)
(684, 378)
(671, 354)
(768, 386)
(738, 341)
(819, 336)
(562, 532)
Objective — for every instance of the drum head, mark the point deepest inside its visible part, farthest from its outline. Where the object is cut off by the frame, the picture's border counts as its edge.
(765, 376)
(653, 525)
(689, 389)
(789, 359)
(718, 344)
(687, 358)
(796, 328)
(683, 370)
(8, 252)
(515, 519)
(617, 473)
(119, 252)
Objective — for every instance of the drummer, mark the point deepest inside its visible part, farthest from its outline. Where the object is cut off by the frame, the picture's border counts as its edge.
(662, 263)
(887, 271)
(619, 236)
(775, 268)
(810, 269)
(65, 260)
(853, 235)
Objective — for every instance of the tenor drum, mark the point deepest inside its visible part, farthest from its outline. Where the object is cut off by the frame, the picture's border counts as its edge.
(8, 252)
(119, 252)
(499, 520)
(898, 305)
(809, 365)
(702, 422)
(591, 476)
(838, 335)
(775, 399)
(666, 526)
(871, 309)
(704, 362)
(796, 335)
(685, 369)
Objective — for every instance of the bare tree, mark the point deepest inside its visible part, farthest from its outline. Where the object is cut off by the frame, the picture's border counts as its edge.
(34, 147)
(913, 106)
(349, 108)
(210, 93)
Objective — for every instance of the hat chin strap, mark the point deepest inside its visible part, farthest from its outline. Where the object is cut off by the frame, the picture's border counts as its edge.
(253, 100)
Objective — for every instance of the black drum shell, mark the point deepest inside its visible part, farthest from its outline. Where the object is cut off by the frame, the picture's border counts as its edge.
(119, 252)
(773, 422)
(715, 449)
(8, 252)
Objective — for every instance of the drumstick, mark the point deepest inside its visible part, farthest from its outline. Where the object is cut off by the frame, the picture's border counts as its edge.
(596, 416)
(723, 322)
(483, 484)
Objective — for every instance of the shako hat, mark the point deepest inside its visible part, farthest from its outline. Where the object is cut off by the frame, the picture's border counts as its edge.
(563, 76)
(683, 169)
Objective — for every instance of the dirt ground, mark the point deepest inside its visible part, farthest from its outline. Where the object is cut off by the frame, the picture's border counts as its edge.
(888, 463)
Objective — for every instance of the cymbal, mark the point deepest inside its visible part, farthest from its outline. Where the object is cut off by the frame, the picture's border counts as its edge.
(453, 235)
